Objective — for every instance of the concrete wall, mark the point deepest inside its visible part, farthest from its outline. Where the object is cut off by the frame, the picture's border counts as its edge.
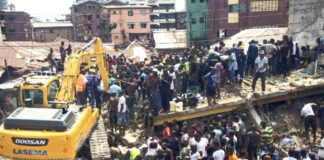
(306, 20)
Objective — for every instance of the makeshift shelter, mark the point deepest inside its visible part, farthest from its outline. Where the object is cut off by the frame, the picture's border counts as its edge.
(138, 51)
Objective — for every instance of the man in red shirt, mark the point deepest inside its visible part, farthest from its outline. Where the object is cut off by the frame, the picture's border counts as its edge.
(166, 131)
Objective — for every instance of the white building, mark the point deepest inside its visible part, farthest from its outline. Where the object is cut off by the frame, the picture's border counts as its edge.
(163, 16)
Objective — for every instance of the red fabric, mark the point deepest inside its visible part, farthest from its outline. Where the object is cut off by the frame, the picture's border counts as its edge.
(165, 131)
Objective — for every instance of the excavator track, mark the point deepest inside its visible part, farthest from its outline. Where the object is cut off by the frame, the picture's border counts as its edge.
(99, 146)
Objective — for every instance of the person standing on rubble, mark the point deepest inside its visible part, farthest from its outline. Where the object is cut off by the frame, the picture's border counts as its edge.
(210, 86)
(91, 86)
(50, 58)
(266, 136)
(81, 88)
(251, 56)
(241, 62)
(284, 58)
(62, 52)
(308, 115)
(261, 64)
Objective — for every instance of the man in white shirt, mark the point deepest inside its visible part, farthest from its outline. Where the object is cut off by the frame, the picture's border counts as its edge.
(122, 107)
(308, 115)
(202, 143)
(218, 154)
(261, 64)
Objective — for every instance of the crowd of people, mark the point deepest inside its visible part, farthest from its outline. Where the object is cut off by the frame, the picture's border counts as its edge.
(154, 82)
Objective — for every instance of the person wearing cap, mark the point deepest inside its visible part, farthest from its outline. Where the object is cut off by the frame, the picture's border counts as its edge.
(241, 61)
(91, 86)
(261, 64)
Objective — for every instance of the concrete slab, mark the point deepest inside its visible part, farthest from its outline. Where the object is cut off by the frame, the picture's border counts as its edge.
(275, 93)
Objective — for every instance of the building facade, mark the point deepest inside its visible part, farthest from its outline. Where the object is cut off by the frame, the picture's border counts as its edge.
(15, 26)
(85, 19)
(163, 16)
(49, 31)
(197, 21)
(89, 21)
(228, 17)
(129, 22)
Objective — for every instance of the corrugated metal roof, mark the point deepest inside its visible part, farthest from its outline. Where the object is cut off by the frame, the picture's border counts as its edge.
(25, 54)
(170, 39)
(51, 24)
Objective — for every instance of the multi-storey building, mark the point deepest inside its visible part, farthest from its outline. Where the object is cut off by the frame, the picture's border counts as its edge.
(197, 21)
(228, 17)
(128, 22)
(49, 31)
(163, 16)
(15, 26)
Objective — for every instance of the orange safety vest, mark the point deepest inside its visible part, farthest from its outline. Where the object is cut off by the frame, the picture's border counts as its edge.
(80, 87)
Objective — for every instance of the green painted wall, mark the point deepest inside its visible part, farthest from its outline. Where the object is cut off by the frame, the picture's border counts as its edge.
(197, 10)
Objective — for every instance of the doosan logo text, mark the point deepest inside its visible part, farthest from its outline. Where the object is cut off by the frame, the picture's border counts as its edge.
(30, 142)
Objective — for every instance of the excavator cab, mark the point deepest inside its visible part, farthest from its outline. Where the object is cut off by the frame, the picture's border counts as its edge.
(38, 90)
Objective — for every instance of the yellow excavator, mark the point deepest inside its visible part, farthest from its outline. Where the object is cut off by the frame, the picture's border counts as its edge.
(48, 124)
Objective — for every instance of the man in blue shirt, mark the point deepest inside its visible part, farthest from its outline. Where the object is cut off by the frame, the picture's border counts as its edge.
(114, 88)
(210, 86)
(91, 86)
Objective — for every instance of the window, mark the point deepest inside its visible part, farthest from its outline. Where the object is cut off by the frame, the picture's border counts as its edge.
(193, 21)
(130, 13)
(143, 25)
(131, 25)
(143, 12)
(33, 95)
(51, 30)
(52, 89)
(233, 8)
(113, 12)
(116, 37)
(98, 16)
(202, 20)
(75, 9)
(242, 8)
(193, 1)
